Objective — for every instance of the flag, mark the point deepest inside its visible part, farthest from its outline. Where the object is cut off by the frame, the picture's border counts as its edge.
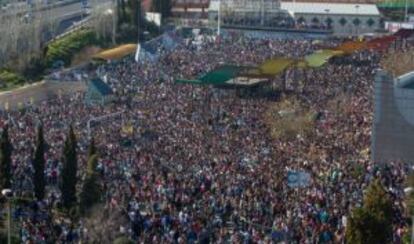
(138, 52)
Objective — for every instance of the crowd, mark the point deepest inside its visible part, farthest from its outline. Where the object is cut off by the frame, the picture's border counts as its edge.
(200, 165)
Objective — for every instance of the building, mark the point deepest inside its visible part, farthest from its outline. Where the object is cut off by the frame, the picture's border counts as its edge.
(341, 1)
(190, 9)
(393, 126)
(249, 13)
(341, 18)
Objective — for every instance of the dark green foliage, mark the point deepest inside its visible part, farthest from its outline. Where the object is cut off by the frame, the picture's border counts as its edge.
(91, 189)
(35, 69)
(63, 49)
(39, 166)
(69, 171)
(3, 238)
(372, 223)
(5, 159)
(92, 148)
(162, 6)
(10, 79)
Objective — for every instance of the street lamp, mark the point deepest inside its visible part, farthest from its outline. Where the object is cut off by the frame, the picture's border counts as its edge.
(8, 194)
(406, 11)
(110, 12)
(357, 16)
(219, 19)
(408, 191)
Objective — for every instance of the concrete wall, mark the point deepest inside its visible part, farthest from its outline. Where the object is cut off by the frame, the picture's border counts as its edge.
(393, 124)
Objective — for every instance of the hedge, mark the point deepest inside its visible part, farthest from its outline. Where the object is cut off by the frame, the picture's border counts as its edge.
(62, 50)
(8, 78)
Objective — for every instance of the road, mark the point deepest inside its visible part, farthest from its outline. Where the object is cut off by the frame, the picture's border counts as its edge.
(54, 11)
(38, 92)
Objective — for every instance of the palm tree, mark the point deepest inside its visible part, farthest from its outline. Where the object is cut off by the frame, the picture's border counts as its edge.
(370, 22)
(343, 21)
(356, 22)
(329, 22)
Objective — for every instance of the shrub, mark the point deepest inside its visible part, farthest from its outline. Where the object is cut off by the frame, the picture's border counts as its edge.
(62, 50)
(8, 78)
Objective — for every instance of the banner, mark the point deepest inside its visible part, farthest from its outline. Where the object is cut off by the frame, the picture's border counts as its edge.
(298, 179)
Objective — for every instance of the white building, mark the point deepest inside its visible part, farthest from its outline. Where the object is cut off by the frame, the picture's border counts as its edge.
(342, 18)
(249, 13)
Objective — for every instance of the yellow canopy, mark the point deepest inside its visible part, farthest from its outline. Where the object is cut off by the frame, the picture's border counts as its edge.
(275, 66)
(319, 58)
(117, 53)
(350, 46)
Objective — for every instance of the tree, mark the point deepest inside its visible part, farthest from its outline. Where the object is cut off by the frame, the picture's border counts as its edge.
(5, 159)
(343, 21)
(370, 22)
(69, 170)
(91, 190)
(163, 7)
(39, 165)
(92, 148)
(372, 223)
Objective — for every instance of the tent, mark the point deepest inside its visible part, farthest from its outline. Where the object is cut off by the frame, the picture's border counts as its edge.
(98, 92)
(319, 58)
(117, 53)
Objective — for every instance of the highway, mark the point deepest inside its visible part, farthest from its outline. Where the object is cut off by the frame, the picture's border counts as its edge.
(63, 15)
(55, 11)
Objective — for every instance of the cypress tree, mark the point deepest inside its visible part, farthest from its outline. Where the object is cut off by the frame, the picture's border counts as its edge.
(91, 190)
(39, 165)
(91, 148)
(163, 7)
(5, 159)
(69, 171)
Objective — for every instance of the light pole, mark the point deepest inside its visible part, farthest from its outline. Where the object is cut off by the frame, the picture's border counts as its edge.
(406, 11)
(357, 17)
(219, 18)
(8, 194)
(110, 12)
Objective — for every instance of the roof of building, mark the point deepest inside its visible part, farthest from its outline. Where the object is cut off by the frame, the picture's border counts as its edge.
(101, 87)
(330, 8)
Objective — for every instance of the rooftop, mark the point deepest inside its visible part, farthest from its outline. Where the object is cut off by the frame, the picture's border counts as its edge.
(331, 8)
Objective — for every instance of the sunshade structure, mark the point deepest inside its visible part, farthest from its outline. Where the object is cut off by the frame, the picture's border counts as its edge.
(321, 57)
(350, 47)
(228, 75)
(247, 76)
(275, 66)
(117, 53)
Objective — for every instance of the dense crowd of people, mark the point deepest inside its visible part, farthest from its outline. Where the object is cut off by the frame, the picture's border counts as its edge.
(199, 164)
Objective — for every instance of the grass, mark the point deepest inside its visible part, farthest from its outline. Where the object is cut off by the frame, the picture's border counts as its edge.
(288, 118)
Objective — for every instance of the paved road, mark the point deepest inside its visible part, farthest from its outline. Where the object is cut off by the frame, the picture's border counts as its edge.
(55, 12)
(38, 92)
